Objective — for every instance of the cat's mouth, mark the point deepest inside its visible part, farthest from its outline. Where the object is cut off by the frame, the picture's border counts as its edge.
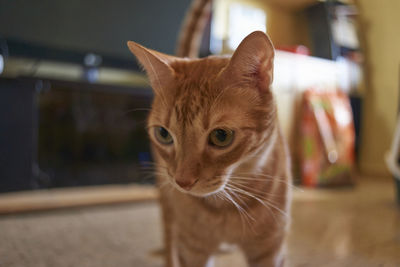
(186, 184)
(202, 187)
(184, 188)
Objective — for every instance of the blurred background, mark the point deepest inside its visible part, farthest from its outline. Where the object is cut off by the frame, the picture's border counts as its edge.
(74, 102)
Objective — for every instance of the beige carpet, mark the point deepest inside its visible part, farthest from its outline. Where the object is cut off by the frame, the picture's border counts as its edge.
(111, 236)
(357, 227)
(126, 235)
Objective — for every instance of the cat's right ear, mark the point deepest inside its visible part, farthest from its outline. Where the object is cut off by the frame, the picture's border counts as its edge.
(156, 65)
(252, 63)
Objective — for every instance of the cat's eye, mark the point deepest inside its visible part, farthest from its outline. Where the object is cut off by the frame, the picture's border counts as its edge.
(221, 137)
(163, 136)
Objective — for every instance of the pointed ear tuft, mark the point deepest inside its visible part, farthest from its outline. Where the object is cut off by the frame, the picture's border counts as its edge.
(252, 62)
(156, 65)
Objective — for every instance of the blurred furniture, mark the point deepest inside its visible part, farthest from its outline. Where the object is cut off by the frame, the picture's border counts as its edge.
(333, 29)
(59, 133)
(18, 124)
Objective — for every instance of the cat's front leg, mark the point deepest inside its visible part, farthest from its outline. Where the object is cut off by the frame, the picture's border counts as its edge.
(192, 259)
(192, 252)
(171, 259)
(276, 260)
(265, 254)
(182, 250)
(169, 230)
(266, 259)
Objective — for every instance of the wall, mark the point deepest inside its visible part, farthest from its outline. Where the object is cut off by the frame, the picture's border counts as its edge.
(286, 26)
(380, 22)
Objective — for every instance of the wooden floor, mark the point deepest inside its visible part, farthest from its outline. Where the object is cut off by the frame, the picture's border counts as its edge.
(338, 227)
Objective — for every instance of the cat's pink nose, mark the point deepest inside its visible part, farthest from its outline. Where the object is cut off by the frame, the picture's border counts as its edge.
(186, 184)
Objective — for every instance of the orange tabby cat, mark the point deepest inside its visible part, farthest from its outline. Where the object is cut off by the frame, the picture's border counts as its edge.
(222, 162)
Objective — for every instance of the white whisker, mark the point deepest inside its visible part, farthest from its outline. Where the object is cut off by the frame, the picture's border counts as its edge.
(263, 201)
(260, 201)
(244, 215)
(254, 190)
(266, 178)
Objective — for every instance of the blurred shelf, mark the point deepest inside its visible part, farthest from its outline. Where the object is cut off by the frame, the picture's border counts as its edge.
(40, 200)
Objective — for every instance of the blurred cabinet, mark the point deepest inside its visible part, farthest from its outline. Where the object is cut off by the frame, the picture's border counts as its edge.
(18, 134)
(62, 133)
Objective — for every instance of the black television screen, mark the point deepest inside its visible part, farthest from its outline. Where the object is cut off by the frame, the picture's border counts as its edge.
(68, 30)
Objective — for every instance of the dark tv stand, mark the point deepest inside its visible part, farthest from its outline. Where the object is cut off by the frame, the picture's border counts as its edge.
(18, 124)
(26, 164)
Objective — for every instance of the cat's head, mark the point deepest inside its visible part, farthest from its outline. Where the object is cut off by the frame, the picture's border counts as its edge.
(209, 114)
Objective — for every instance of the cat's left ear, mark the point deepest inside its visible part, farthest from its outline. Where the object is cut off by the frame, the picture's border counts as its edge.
(253, 62)
(156, 65)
